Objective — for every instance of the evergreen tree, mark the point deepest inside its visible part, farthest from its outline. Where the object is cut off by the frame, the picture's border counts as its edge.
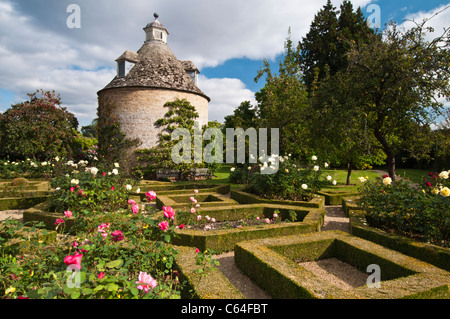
(329, 39)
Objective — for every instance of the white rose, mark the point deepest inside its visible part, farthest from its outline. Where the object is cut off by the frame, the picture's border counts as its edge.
(94, 170)
(387, 181)
(329, 178)
(115, 171)
(316, 168)
(138, 190)
(74, 181)
(304, 186)
(334, 182)
(128, 187)
(232, 169)
(116, 165)
(362, 179)
(326, 165)
(443, 175)
(314, 158)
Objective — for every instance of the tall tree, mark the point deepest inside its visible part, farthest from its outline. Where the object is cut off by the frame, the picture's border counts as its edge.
(328, 40)
(396, 81)
(282, 99)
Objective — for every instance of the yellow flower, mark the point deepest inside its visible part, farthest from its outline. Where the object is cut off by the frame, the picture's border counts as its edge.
(145, 227)
(435, 191)
(443, 175)
(445, 192)
(10, 290)
(387, 181)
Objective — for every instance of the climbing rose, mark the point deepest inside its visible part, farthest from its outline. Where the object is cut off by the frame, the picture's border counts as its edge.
(146, 282)
(74, 260)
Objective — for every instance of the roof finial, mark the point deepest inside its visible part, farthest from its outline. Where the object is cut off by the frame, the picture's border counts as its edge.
(155, 15)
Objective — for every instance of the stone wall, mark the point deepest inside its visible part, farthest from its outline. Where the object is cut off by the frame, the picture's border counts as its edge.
(137, 109)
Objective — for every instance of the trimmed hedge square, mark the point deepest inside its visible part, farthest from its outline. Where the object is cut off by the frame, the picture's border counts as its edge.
(270, 263)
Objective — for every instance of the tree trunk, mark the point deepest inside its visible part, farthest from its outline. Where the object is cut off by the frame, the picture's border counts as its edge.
(349, 172)
(389, 153)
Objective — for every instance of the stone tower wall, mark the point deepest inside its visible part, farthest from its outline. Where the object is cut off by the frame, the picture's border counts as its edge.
(137, 109)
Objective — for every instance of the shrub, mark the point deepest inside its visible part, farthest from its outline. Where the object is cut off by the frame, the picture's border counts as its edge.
(290, 182)
(403, 208)
(39, 128)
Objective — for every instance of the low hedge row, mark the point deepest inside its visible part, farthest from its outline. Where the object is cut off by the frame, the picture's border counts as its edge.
(204, 199)
(435, 255)
(225, 240)
(212, 286)
(335, 197)
(21, 202)
(246, 198)
(270, 263)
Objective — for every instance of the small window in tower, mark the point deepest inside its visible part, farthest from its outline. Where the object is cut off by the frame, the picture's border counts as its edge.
(121, 69)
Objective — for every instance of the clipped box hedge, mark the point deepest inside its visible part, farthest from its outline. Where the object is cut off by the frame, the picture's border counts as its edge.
(204, 199)
(212, 286)
(270, 263)
(247, 198)
(21, 202)
(435, 255)
(226, 239)
(335, 197)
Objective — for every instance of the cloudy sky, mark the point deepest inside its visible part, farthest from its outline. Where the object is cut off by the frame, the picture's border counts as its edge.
(226, 39)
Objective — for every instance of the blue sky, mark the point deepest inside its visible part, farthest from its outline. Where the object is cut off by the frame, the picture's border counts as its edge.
(227, 40)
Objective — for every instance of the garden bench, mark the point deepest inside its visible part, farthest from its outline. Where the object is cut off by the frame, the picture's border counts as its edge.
(167, 173)
(200, 172)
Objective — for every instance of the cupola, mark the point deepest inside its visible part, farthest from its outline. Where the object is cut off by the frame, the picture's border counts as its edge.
(155, 31)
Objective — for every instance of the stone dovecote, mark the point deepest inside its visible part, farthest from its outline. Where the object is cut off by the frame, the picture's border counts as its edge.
(145, 81)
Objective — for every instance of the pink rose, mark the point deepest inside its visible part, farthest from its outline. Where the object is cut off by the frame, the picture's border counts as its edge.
(168, 212)
(74, 260)
(193, 200)
(267, 220)
(117, 235)
(146, 282)
(163, 225)
(68, 213)
(72, 189)
(101, 275)
(132, 202)
(103, 227)
(135, 209)
(181, 226)
(193, 210)
(199, 217)
(197, 250)
(151, 195)
(196, 191)
(59, 221)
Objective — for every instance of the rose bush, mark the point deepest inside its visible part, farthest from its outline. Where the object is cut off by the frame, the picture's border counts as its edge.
(422, 213)
(117, 254)
(292, 181)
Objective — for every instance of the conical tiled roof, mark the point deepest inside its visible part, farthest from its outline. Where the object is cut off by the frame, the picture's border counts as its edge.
(157, 67)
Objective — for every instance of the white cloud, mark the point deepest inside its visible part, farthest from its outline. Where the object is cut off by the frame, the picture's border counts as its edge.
(437, 18)
(37, 50)
(226, 94)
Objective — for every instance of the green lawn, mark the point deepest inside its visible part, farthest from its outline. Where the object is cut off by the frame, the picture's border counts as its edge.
(416, 175)
(221, 176)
